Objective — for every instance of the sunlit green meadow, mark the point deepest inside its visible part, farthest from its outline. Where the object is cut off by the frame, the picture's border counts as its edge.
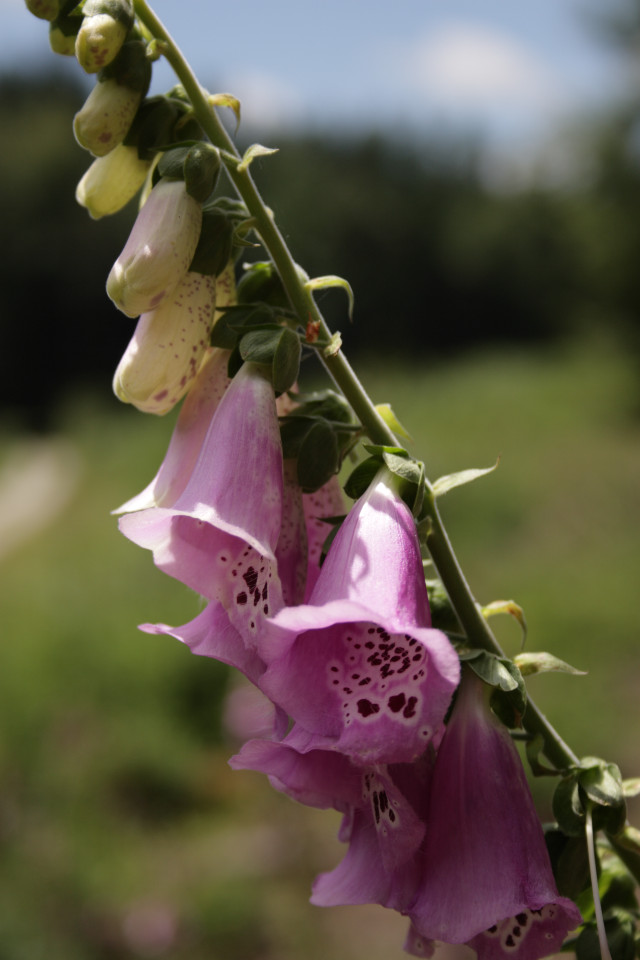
(124, 833)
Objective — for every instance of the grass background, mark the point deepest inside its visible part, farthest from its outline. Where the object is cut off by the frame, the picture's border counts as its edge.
(123, 832)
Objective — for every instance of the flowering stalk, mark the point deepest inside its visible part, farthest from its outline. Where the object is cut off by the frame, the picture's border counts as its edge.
(300, 294)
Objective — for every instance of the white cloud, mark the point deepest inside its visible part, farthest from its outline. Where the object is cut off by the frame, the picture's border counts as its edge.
(267, 102)
(464, 65)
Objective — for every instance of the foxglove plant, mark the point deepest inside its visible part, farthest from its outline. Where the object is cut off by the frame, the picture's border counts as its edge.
(337, 633)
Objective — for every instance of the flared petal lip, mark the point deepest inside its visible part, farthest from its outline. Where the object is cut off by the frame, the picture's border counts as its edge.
(131, 524)
(290, 622)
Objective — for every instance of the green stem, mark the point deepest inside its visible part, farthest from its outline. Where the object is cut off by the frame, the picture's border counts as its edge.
(474, 623)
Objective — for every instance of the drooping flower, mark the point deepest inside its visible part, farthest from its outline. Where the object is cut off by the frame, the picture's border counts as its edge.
(188, 436)
(167, 348)
(358, 667)
(104, 119)
(487, 878)
(159, 249)
(219, 534)
(111, 181)
(383, 817)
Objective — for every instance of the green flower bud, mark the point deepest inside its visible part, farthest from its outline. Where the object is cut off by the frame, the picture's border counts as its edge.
(156, 257)
(104, 29)
(168, 347)
(111, 181)
(44, 9)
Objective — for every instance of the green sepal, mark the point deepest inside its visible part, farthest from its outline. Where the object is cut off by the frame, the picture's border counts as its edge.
(323, 403)
(533, 748)
(250, 154)
(444, 484)
(119, 10)
(154, 125)
(542, 662)
(362, 476)
(601, 782)
(215, 243)
(324, 283)
(131, 68)
(443, 615)
(509, 698)
(279, 348)
(567, 806)
(201, 171)
(569, 861)
(171, 163)
(261, 282)
(62, 33)
(318, 457)
(235, 321)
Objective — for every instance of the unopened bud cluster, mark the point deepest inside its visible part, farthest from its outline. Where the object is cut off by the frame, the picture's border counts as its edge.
(182, 240)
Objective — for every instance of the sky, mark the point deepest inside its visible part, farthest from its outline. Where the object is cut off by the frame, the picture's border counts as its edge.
(510, 72)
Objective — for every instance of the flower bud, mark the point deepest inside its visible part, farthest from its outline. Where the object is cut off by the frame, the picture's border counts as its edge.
(111, 181)
(106, 116)
(159, 250)
(44, 9)
(167, 348)
(104, 29)
(104, 120)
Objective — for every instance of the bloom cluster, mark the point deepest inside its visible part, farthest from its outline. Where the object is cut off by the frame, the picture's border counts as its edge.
(438, 817)
(371, 712)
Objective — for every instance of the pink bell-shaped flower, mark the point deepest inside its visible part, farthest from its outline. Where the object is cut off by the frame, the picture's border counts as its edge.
(383, 821)
(487, 877)
(358, 667)
(188, 436)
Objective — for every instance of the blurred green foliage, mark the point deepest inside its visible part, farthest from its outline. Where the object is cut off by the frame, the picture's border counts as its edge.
(439, 262)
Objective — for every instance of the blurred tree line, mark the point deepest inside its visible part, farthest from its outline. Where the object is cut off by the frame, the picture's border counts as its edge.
(438, 261)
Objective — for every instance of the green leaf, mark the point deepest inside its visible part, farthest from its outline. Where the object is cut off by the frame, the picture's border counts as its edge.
(570, 862)
(286, 361)
(510, 607)
(360, 478)
(451, 481)
(250, 154)
(318, 457)
(324, 283)
(530, 663)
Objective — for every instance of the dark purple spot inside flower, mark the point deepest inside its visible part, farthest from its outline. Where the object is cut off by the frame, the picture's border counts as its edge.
(250, 577)
(364, 682)
(397, 702)
(493, 929)
(392, 816)
(410, 709)
(384, 802)
(241, 598)
(256, 597)
(522, 919)
(376, 807)
(366, 708)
